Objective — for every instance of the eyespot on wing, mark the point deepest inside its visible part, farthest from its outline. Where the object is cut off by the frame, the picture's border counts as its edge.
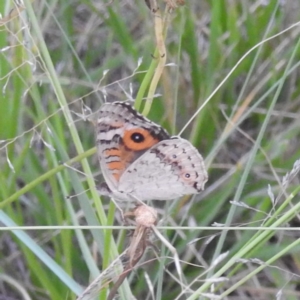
(139, 139)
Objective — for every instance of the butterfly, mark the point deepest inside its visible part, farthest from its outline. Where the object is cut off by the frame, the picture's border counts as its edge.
(140, 161)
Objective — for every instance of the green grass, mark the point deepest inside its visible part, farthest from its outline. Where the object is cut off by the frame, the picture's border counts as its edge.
(59, 61)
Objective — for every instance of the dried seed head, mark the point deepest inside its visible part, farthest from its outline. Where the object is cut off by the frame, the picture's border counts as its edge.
(145, 215)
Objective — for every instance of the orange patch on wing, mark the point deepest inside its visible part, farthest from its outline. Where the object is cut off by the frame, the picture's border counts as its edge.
(116, 165)
(147, 143)
(117, 176)
(126, 156)
(113, 152)
(117, 168)
(125, 159)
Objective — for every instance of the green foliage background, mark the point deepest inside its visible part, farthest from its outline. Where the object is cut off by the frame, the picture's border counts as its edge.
(60, 60)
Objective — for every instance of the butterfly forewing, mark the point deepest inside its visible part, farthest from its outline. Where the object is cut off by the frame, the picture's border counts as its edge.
(123, 135)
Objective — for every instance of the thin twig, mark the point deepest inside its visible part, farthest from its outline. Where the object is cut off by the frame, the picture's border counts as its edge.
(134, 252)
(145, 217)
